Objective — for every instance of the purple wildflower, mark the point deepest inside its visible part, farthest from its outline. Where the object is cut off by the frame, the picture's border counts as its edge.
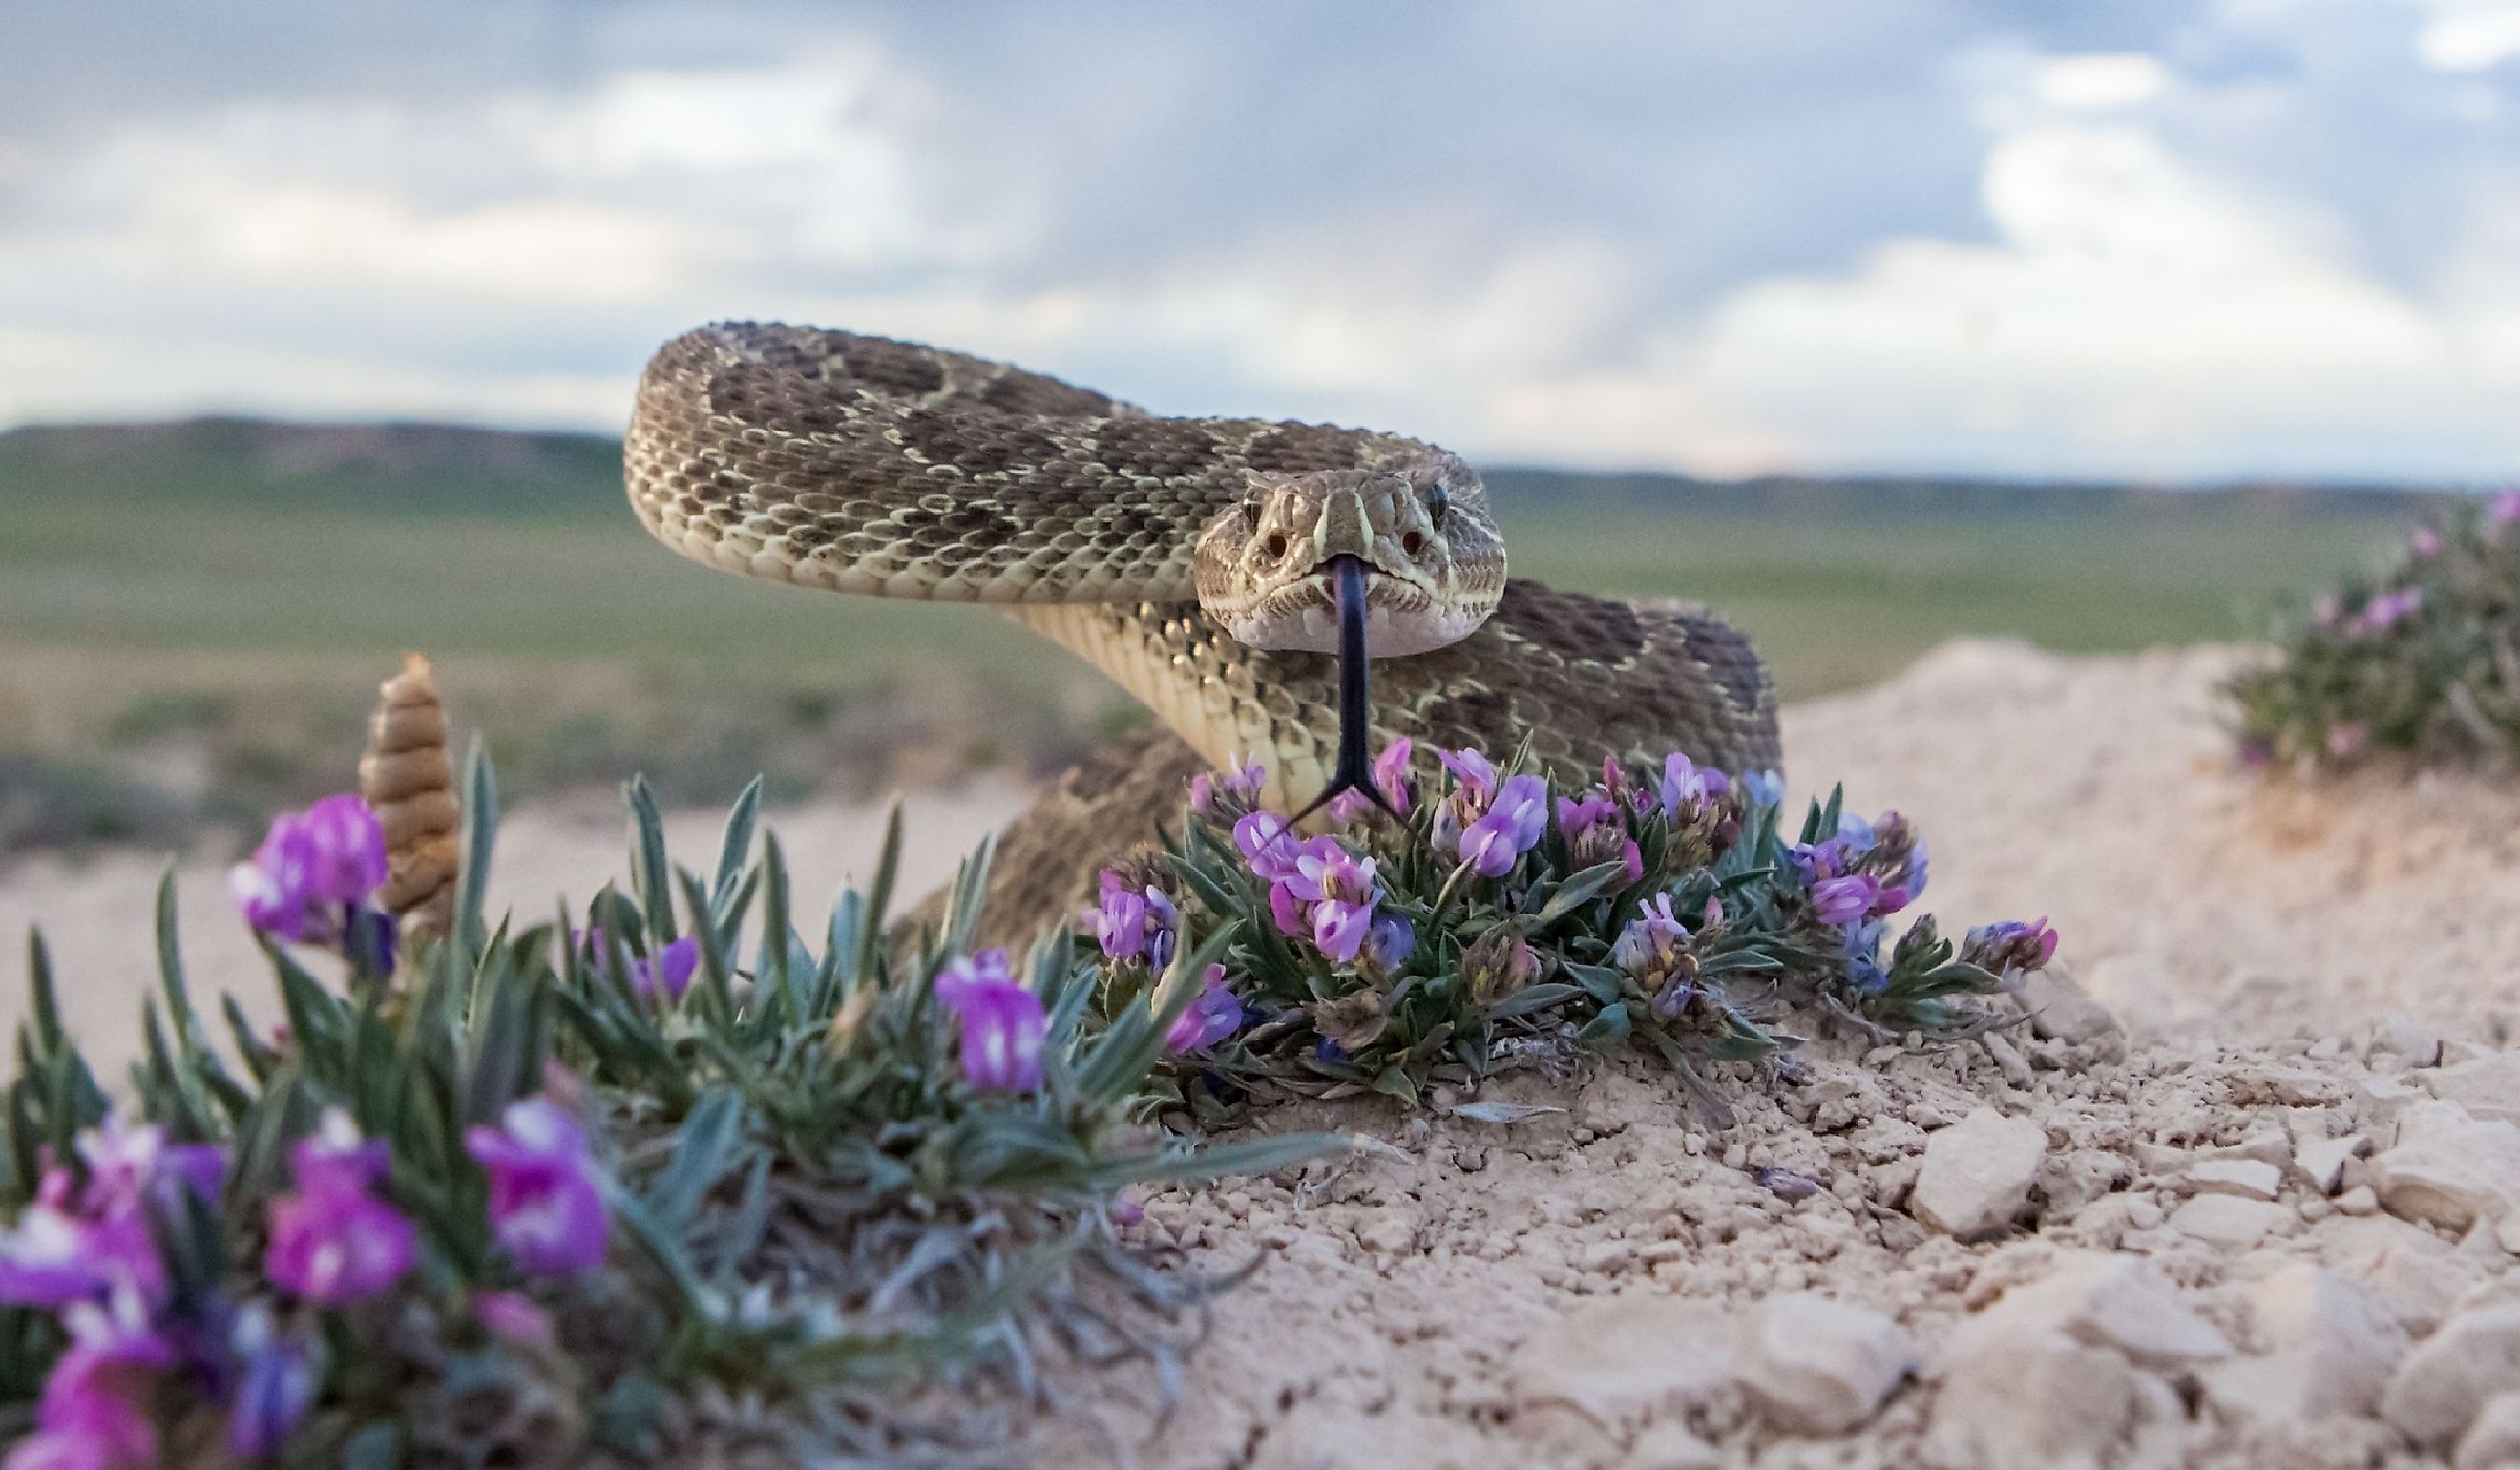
(1845, 899)
(1340, 890)
(1766, 788)
(1119, 918)
(1350, 806)
(64, 1248)
(277, 1388)
(1241, 783)
(1389, 941)
(2011, 945)
(1650, 946)
(2425, 542)
(1215, 1015)
(92, 1415)
(2388, 609)
(2348, 740)
(1594, 835)
(513, 1317)
(1473, 771)
(334, 1241)
(312, 863)
(1267, 846)
(2503, 508)
(1513, 824)
(1896, 856)
(1391, 776)
(1683, 783)
(1837, 896)
(546, 1205)
(51, 1257)
(1002, 1024)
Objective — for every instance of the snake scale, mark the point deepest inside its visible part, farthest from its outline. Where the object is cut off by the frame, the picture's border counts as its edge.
(1181, 557)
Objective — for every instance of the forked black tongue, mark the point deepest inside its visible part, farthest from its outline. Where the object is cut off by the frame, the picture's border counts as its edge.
(1354, 770)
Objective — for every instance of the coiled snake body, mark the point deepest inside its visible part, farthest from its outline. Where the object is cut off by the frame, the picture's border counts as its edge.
(1185, 558)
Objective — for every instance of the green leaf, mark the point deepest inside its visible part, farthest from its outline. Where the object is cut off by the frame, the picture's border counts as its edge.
(1395, 1083)
(735, 848)
(1532, 998)
(650, 875)
(878, 899)
(1579, 889)
(1609, 1025)
(480, 838)
(715, 976)
(48, 1004)
(705, 1148)
(781, 953)
(970, 892)
(1599, 981)
(377, 1445)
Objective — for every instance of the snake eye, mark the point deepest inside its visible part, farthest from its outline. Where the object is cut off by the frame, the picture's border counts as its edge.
(1251, 515)
(1437, 503)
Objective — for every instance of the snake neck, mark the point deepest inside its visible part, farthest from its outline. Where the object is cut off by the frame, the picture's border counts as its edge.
(1216, 694)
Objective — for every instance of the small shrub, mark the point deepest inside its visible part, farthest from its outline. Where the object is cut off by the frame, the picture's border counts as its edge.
(1492, 921)
(2422, 658)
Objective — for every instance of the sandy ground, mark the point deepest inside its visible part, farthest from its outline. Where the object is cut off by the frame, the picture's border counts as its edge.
(2259, 1207)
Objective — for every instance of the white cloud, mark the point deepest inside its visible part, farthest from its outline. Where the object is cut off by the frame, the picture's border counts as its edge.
(2102, 82)
(2469, 35)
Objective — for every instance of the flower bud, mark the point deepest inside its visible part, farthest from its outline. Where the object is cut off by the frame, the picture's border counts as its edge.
(1497, 963)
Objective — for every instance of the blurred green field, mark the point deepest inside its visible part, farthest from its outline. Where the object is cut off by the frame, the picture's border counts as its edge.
(217, 572)
(518, 546)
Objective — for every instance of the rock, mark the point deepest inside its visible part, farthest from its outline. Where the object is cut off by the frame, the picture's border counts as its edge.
(1816, 1367)
(2321, 1161)
(2061, 1010)
(2399, 1034)
(1977, 1173)
(2107, 1301)
(2378, 1103)
(2447, 1168)
(2048, 1375)
(2362, 1199)
(2488, 1088)
(2492, 1441)
(2443, 1386)
(2324, 1349)
(2249, 1179)
(2228, 1220)
(1388, 1233)
(1617, 1361)
(2048, 1401)
(1670, 1446)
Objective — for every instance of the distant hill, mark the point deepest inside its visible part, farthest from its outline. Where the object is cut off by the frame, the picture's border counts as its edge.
(427, 468)
(421, 468)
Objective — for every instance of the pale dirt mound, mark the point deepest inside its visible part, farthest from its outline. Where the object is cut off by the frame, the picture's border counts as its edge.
(2239, 1231)
(2264, 1216)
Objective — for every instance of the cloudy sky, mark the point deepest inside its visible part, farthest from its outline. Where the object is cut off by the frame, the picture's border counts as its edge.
(2053, 238)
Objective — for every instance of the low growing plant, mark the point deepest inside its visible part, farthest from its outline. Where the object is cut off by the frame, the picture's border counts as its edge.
(533, 1194)
(2422, 658)
(1485, 920)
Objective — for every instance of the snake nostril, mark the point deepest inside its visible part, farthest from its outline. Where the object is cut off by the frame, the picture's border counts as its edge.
(1275, 546)
(1412, 543)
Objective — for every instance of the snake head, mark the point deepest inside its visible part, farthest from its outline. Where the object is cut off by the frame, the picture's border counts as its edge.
(1434, 560)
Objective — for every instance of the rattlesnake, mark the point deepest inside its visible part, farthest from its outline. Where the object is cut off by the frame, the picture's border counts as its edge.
(1185, 558)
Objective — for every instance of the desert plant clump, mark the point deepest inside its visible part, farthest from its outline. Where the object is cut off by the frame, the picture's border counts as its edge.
(2420, 659)
(533, 1194)
(1478, 918)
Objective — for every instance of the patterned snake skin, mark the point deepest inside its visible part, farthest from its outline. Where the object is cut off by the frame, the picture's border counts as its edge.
(865, 464)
